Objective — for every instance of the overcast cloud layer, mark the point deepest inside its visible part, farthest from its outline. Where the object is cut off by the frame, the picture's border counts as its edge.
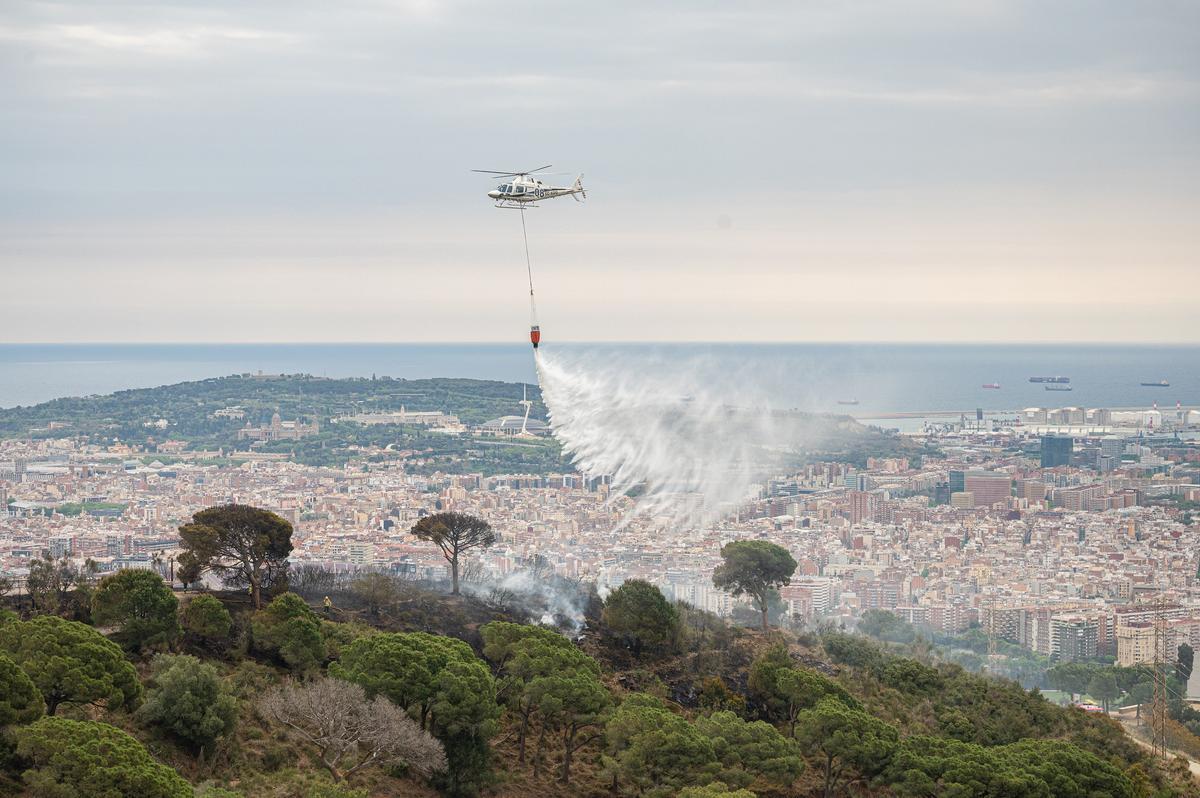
(274, 171)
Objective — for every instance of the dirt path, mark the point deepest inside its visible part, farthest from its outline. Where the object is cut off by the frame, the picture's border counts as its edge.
(1132, 729)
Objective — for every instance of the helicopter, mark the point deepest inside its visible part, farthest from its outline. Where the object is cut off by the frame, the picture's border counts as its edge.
(524, 188)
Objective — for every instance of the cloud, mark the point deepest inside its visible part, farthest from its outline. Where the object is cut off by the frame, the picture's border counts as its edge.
(991, 150)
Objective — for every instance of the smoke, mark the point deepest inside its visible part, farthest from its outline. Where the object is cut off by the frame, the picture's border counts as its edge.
(538, 594)
(689, 439)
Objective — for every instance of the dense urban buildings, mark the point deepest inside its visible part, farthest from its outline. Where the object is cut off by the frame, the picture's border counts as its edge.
(1056, 543)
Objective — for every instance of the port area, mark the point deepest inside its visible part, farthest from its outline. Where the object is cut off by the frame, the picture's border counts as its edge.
(1066, 420)
(1014, 413)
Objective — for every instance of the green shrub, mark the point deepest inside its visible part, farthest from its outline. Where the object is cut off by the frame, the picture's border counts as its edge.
(140, 605)
(70, 662)
(187, 698)
(70, 758)
(206, 622)
(288, 629)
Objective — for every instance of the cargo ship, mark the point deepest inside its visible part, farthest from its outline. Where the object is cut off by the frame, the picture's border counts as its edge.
(847, 401)
(1050, 379)
(995, 386)
(1058, 388)
(1159, 384)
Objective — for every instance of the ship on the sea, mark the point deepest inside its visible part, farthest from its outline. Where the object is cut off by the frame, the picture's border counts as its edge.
(1050, 379)
(1058, 388)
(995, 386)
(1159, 384)
(847, 401)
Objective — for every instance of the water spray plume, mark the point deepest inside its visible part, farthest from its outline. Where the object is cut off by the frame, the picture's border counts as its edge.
(688, 440)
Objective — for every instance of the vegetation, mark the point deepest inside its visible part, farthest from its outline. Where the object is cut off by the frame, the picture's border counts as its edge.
(141, 607)
(540, 669)
(754, 568)
(289, 630)
(455, 534)
(933, 766)
(186, 697)
(849, 743)
(412, 692)
(351, 732)
(206, 623)
(86, 758)
(60, 586)
(376, 591)
(189, 410)
(441, 683)
(638, 612)
(70, 663)
(244, 545)
(20, 700)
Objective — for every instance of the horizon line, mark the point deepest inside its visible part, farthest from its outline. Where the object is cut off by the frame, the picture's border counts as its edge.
(623, 342)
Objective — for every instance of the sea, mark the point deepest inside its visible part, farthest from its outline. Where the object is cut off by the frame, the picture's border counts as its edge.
(869, 381)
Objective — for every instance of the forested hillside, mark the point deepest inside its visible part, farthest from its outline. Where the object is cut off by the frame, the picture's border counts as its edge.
(393, 688)
(188, 412)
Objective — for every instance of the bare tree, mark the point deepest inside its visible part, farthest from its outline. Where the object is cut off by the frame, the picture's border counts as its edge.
(455, 533)
(376, 590)
(350, 731)
(500, 599)
(472, 571)
(52, 582)
(313, 581)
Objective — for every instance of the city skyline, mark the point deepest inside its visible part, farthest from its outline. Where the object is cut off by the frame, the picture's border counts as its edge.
(923, 171)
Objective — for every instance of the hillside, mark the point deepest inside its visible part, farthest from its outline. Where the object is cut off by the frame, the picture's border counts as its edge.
(670, 704)
(187, 412)
(189, 406)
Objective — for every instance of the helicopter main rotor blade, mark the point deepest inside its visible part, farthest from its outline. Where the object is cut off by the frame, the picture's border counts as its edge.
(512, 174)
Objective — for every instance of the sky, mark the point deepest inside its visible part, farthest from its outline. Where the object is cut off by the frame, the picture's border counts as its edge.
(908, 170)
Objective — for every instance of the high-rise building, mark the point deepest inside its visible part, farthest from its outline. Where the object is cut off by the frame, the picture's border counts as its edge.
(857, 481)
(862, 506)
(60, 546)
(1073, 637)
(1031, 490)
(963, 500)
(1135, 644)
(988, 487)
(822, 592)
(1111, 450)
(1056, 450)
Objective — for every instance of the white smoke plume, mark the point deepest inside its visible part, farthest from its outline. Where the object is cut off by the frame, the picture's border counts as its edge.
(689, 438)
(539, 594)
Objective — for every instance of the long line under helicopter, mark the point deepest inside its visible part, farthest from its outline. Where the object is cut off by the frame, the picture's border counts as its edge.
(521, 190)
(535, 331)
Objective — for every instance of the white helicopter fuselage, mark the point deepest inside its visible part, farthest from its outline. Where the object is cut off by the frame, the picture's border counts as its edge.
(525, 190)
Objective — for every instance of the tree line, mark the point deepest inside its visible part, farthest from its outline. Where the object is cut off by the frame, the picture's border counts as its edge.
(744, 713)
